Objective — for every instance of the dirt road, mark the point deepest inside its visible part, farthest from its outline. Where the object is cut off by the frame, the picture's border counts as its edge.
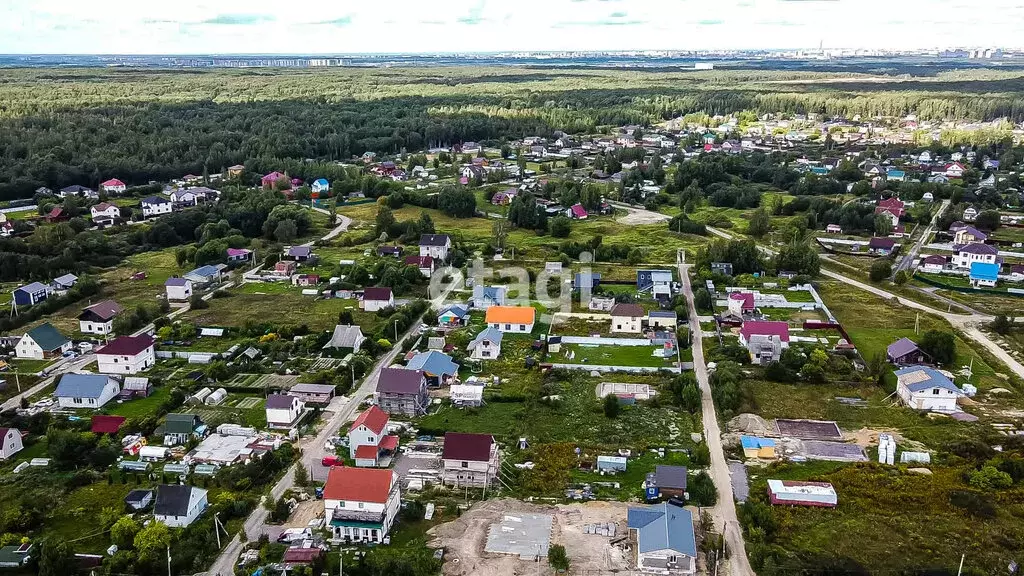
(724, 512)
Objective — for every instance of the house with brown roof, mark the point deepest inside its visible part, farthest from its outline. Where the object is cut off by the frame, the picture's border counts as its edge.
(126, 355)
(99, 318)
(361, 504)
(377, 299)
(627, 318)
(469, 460)
(402, 391)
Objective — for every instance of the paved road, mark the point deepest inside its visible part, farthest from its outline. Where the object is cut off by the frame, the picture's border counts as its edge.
(63, 367)
(313, 450)
(343, 224)
(724, 511)
(908, 258)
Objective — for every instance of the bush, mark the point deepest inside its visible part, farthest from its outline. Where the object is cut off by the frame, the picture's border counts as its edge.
(557, 557)
(880, 269)
(702, 490)
(560, 227)
(990, 478)
(611, 406)
(976, 504)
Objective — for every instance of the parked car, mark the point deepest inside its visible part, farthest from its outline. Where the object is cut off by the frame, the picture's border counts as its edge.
(85, 347)
(331, 461)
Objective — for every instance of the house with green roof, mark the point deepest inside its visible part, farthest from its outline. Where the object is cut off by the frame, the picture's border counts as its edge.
(41, 343)
(180, 428)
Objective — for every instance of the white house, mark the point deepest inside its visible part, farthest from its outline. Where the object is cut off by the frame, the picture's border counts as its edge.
(99, 318)
(321, 186)
(970, 214)
(10, 442)
(436, 246)
(85, 390)
(361, 504)
(126, 355)
(155, 206)
(114, 186)
(924, 388)
(376, 299)
(971, 253)
(42, 342)
(178, 506)
(178, 289)
(367, 440)
(511, 318)
(933, 263)
(834, 229)
(627, 318)
(469, 460)
(665, 540)
(105, 211)
(486, 345)
(283, 411)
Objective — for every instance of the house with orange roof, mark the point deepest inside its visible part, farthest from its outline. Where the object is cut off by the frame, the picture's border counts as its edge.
(361, 504)
(368, 443)
(516, 319)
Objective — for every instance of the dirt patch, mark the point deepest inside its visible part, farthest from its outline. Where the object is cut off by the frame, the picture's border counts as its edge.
(869, 437)
(633, 218)
(749, 424)
(305, 512)
(465, 538)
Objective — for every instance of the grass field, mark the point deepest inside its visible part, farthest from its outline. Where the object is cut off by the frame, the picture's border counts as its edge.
(141, 406)
(607, 355)
(651, 239)
(276, 305)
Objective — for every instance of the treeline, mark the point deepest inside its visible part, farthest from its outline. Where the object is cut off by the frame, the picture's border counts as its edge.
(82, 127)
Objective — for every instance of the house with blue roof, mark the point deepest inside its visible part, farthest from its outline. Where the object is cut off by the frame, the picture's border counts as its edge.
(486, 296)
(205, 275)
(486, 345)
(321, 186)
(453, 316)
(984, 274)
(437, 367)
(31, 294)
(755, 447)
(665, 540)
(85, 390)
(925, 388)
(657, 282)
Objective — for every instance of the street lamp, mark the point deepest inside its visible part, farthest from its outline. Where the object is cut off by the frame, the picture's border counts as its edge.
(396, 332)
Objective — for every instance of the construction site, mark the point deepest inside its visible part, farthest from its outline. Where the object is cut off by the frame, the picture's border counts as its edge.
(502, 537)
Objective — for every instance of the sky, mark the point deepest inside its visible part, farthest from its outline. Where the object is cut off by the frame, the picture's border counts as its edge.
(430, 26)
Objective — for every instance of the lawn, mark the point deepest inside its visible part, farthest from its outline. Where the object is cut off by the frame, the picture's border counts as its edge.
(282, 307)
(75, 517)
(607, 355)
(630, 481)
(141, 406)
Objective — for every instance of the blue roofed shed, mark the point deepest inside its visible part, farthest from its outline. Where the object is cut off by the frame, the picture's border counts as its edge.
(984, 274)
(754, 447)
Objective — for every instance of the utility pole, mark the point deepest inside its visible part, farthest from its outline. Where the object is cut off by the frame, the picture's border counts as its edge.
(396, 332)
(169, 561)
(960, 570)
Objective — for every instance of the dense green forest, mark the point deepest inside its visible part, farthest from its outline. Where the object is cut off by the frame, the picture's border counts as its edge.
(62, 127)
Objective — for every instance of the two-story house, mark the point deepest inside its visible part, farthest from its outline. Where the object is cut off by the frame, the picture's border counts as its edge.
(924, 388)
(627, 318)
(361, 504)
(99, 318)
(367, 441)
(283, 411)
(964, 256)
(127, 355)
(180, 428)
(377, 298)
(402, 391)
(155, 206)
(436, 246)
(469, 460)
(486, 345)
(41, 343)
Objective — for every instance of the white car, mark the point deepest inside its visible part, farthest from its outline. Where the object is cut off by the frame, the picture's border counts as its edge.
(85, 347)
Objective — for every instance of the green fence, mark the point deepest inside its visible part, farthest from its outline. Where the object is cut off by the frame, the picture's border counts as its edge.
(965, 289)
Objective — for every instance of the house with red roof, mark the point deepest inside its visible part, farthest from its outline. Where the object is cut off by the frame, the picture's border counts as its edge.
(114, 186)
(765, 340)
(955, 170)
(104, 424)
(126, 355)
(58, 214)
(377, 298)
(271, 179)
(361, 504)
(577, 212)
(368, 443)
(424, 263)
(741, 303)
(469, 460)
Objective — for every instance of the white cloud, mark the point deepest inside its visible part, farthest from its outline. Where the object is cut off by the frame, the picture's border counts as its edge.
(347, 26)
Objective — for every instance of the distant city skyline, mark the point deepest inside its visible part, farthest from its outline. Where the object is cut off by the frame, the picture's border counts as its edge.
(479, 26)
